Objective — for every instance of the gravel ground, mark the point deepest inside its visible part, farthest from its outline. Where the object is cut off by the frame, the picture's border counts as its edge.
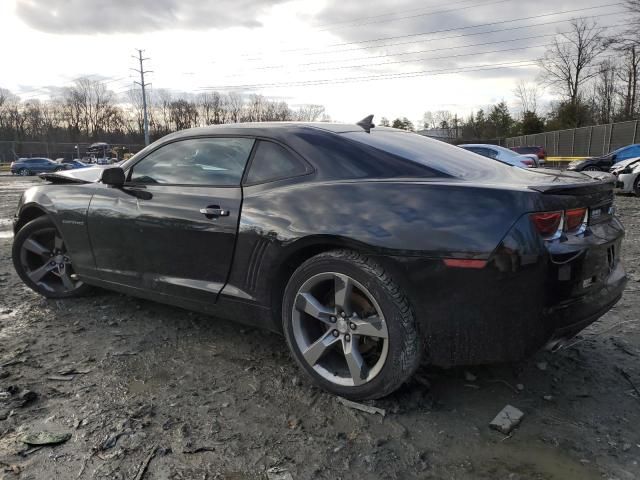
(147, 390)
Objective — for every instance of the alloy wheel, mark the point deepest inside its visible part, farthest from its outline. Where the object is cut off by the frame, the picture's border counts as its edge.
(339, 329)
(44, 258)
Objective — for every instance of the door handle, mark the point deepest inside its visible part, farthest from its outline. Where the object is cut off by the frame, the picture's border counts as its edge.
(214, 211)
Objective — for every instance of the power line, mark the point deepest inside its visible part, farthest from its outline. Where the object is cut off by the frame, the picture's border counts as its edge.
(426, 14)
(445, 30)
(521, 27)
(386, 76)
(399, 54)
(414, 60)
(397, 12)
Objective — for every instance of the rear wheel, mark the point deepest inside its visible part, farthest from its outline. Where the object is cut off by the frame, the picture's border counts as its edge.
(41, 260)
(24, 172)
(349, 326)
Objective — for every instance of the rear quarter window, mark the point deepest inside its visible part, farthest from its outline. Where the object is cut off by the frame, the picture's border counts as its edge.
(435, 154)
(272, 162)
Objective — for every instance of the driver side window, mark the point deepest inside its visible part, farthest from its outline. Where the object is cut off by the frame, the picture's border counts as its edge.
(196, 161)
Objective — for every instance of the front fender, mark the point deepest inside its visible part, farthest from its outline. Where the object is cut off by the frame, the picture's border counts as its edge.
(66, 206)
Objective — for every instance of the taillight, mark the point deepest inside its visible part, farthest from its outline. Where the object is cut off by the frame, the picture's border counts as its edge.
(528, 163)
(575, 219)
(548, 224)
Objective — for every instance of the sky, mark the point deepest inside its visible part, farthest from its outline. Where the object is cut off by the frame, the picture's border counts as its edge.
(391, 59)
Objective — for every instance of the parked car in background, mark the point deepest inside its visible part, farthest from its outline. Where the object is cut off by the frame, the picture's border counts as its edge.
(540, 152)
(503, 154)
(72, 164)
(627, 173)
(33, 166)
(367, 247)
(605, 162)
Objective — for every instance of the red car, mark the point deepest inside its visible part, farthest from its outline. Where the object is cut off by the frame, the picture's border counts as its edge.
(540, 151)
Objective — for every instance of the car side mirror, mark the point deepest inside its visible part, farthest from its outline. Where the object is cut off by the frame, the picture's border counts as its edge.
(113, 176)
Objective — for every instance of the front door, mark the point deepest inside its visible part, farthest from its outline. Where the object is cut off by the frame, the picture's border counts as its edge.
(172, 227)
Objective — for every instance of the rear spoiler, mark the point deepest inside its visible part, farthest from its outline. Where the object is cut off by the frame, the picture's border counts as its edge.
(604, 182)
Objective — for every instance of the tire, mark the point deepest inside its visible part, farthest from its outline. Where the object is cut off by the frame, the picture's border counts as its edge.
(24, 172)
(388, 362)
(636, 186)
(591, 169)
(41, 261)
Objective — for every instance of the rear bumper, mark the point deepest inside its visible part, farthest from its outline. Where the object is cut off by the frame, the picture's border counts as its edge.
(566, 320)
(526, 296)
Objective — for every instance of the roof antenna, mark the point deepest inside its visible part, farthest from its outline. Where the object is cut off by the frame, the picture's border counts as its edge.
(366, 123)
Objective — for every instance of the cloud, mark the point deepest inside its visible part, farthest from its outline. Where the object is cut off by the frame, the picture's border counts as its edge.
(126, 16)
(459, 34)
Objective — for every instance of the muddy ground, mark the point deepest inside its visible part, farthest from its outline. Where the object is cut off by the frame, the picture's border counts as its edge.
(149, 390)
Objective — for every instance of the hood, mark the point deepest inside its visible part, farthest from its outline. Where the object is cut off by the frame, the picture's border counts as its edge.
(625, 163)
(80, 175)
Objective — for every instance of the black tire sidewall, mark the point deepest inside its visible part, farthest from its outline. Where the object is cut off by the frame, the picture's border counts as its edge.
(387, 379)
(24, 233)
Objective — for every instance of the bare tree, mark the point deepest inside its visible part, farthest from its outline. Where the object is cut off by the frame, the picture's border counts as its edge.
(528, 95)
(567, 63)
(604, 95)
(310, 113)
(235, 106)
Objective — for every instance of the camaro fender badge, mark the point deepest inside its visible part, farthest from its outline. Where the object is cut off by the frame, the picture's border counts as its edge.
(73, 222)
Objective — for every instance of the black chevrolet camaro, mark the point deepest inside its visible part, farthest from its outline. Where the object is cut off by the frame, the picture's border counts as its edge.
(371, 249)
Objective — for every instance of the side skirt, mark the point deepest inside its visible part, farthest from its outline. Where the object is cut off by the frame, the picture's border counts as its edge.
(227, 308)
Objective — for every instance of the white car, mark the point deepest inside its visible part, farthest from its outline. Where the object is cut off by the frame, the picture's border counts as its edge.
(503, 154)
(627, 174)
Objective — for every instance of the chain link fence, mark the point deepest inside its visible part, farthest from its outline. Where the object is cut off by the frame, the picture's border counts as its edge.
(581, 142)
(12, 150)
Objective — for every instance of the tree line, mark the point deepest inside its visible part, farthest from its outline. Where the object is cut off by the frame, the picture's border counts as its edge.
(89, 111)
(593, 77)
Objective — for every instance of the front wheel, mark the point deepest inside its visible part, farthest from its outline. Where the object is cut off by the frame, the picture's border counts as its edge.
(24, 172)
(636, 186)
(349, 326)
(41, 260)
(591, 169)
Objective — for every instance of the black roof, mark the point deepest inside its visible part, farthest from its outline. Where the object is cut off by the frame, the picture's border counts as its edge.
(265, 128)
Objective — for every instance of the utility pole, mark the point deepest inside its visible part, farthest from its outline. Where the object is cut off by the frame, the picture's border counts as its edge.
(142, 71)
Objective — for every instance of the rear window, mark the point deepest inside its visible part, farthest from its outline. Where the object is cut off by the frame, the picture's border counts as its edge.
(437, 155)
(526, 149)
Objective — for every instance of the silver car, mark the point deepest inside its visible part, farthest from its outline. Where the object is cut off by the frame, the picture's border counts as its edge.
(503, 154)
(627, 174)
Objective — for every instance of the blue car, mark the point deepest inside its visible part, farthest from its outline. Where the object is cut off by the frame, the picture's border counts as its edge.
(33, 166)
